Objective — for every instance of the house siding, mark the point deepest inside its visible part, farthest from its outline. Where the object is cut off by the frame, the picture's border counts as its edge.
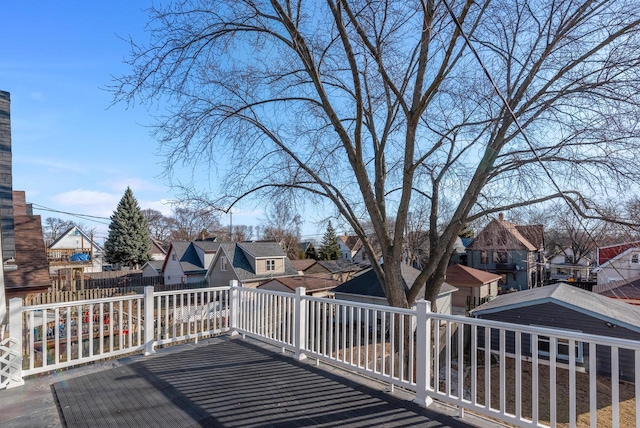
(261, 268)
(621, 268)
(6, 180)
(220, 278)
(173, 273)
(561, 317)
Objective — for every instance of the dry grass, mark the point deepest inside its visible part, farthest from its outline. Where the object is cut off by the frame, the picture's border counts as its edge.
(627, 395)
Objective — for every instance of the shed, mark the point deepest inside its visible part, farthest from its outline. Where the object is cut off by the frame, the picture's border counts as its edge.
(564, 307)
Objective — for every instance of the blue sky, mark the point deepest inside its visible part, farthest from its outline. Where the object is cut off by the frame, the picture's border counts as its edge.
(71, 151)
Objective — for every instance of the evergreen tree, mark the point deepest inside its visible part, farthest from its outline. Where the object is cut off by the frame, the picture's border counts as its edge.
(330, 249)
(129, 241)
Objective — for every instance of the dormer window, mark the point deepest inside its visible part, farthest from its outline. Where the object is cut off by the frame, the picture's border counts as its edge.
(270, 265)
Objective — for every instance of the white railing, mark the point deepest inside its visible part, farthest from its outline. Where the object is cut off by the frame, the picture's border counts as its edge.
(522, 375)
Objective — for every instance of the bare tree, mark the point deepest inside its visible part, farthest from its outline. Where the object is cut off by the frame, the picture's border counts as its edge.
(160, 226)
(53, 227)
(282, 225)
(363, 104)
(191, 223)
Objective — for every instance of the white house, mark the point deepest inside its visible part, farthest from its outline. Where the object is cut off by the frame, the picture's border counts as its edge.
(187, 262)
(563, 266)
(75, 249)
(623, 265)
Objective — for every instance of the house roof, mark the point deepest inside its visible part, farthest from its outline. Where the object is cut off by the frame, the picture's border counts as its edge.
(207, 246)
(570, 297)
(465, 276)
(157, 247)
(352, 242)
(68, 231)
(31, 256)
(262, 249)
(310, 282)
(623, 289)
(155, 264)
(187, 256)
(529, 237)
(235, 253)
(612, 251)
(340, 265)
(367, 283)
(303, 264)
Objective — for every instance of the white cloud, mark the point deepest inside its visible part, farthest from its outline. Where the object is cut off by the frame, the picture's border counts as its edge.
(165, 206)
(90, 202)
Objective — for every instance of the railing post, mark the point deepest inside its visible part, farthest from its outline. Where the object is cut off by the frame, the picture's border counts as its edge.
(14, 343)
(149, 321)
(234, 306)
(423, 353)
(300, 324)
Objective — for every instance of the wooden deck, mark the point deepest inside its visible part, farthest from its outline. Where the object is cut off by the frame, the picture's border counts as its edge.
(233, 384)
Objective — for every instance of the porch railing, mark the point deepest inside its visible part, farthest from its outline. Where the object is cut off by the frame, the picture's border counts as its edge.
(523, 375)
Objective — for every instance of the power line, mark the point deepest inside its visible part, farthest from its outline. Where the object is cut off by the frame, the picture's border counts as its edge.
(87, 217)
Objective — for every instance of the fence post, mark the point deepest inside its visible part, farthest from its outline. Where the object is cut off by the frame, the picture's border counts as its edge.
(234, 305)
(14, 340)
(300, 324)
(423, 353)
(149, 321)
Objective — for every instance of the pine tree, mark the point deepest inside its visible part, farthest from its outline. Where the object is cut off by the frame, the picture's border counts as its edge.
(330, 249)
(129, 241)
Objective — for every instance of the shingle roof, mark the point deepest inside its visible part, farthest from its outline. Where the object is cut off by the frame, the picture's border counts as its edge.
(340, 265)
(207, 246)
(566, 295)
(352, 242)
(310, 282)
(31, 257)
(303, 264)
(244, 271)
(612, 251)
(367, 283)
(465, 276)
(187, 256)
(263, 249)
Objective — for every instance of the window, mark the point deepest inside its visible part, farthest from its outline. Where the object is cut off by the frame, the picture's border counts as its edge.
(500, 257)
(634, 258)
(271, 265)
(173, 257)
(223, 263)
(562, 348)
(568, 259)
(483, 257)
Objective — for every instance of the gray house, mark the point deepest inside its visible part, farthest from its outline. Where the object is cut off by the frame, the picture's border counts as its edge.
(512, 251)
(571, 309)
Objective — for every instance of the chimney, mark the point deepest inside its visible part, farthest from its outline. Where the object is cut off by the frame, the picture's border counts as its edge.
(19, 203)
(6, 181)
(501, 217)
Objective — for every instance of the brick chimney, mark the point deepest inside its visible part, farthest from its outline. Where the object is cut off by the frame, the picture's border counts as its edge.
(6, 180)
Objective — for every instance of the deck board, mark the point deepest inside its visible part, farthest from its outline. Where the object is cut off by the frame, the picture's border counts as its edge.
(232, 384)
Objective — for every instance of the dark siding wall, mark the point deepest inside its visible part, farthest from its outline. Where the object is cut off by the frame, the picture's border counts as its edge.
(556, 316)
(6, 186)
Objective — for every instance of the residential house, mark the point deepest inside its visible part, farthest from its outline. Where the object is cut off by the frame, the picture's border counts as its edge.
(351, 249)
(563, 266)
(152, 268)
(75, 250)
(187, 262)
(366, 288)
(571, 309)
(306, 250)
(158, 252)
(309, 267)
(513, 251)
(316, 286)
(474, 287)
(617, 262)
(250, 263)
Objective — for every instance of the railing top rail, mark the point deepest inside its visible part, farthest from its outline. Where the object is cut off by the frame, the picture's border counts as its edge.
(258, 291)
(82, 302)
(541, 331)
(189, 291)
